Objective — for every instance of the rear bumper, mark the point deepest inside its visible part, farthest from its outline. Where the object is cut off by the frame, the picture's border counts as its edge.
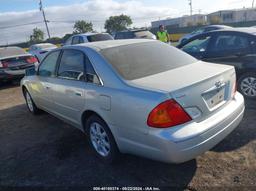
(181, 144)
(6, 75)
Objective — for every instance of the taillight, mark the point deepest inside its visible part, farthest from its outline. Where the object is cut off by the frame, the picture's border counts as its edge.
(3, 64)
(32, 60)
(234, 89)
(167, 114)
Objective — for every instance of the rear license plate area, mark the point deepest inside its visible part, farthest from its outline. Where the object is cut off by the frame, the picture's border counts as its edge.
(215, 97)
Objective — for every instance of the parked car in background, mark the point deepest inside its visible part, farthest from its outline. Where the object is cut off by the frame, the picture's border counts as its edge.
(236, 47)
(170, 110)
(13, 63)
(88, 37)
(135, 33)
(40, 50)
(201, 31)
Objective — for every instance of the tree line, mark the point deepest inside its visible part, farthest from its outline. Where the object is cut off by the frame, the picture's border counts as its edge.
(112, 24)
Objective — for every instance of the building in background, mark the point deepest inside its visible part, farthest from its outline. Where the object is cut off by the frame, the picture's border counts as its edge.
(194, 20)
(232, 16)
(219, 17)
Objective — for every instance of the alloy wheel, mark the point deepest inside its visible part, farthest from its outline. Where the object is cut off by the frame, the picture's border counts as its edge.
(248, 86)
(29, 102)
(99, 139)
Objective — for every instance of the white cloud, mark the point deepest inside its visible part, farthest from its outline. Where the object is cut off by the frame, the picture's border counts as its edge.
(96, 11)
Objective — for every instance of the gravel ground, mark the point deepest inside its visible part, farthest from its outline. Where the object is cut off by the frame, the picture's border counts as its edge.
(44, 152)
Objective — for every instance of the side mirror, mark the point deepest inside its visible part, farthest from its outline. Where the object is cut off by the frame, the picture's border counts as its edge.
(30, 71)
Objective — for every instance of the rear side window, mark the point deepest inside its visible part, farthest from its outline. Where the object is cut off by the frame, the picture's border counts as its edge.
(91, 76)
(72, 65)
(230, 42)
(139, 60)
(48, 66)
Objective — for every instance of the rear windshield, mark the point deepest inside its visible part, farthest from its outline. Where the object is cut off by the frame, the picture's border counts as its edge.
(99, 37)
(143, 34)
(139, 60)
(11, 51)
(42, 46)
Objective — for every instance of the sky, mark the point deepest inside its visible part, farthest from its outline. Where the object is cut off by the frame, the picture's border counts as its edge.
(63, 13)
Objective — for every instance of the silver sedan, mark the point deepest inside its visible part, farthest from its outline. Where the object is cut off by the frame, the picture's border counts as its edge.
(141, 97)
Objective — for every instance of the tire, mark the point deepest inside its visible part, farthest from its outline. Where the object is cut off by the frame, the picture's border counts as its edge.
(101, 140)
(30, 103)
(247, 85)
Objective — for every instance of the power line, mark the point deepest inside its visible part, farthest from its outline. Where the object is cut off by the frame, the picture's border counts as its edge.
(20, 25)
(45, 21)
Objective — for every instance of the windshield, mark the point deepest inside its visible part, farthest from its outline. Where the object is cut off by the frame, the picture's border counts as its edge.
(139, 60)
(99, 37)
(11, 51)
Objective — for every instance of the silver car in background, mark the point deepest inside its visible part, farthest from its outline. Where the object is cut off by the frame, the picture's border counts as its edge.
(40, 50)
(88, 37)
(13, 63)
(141, 97)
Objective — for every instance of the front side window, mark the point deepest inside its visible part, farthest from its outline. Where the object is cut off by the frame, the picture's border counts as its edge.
(129, 35)
(81, 40)
(48, 66)
(119, 36)
(72, 65)
(198, 45)
(69, 41)
(76, 40)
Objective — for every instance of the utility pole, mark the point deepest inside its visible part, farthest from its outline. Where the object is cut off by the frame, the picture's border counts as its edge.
(190, 4)
(45, 21)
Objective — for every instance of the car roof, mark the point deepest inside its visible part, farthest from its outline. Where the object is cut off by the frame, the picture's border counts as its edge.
(245, 30)
(100, 45)
(88, 34)
(248, 30)
(219, 26)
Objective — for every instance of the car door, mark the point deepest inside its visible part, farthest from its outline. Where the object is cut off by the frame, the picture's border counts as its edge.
(231, 48)
(69, 85)
(42, 88)
(197, 46)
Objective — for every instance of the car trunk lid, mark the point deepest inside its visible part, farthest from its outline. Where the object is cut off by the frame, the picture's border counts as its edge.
(18, 62)
(200, 88)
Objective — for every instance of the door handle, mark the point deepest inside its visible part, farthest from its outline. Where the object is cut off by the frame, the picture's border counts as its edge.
(78, 94)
